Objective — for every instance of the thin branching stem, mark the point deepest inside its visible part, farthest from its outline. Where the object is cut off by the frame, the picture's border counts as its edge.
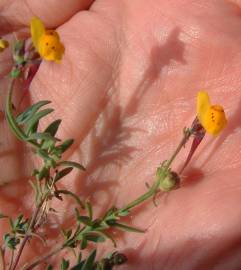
(27, 236)
(154, 189)
(2, 260)
(18, 132)
(43, 258)
(40, 210)
(150, 193)
(185, 138)
(9, 113)
(12, 256)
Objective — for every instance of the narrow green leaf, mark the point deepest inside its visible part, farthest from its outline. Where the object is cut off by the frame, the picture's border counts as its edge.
(71, 163)
(18, 132)
(35, 172)
(79, 257)
(18, 45)
(41, 136)
(29, 112)
(44, 155)
(37, 190)
(65, 145)
(46, 145)
(108, 236)
(85, 220)
(63, 231)
(127, 228)
(123, 213)
(34, 128)
(83, 243)
(15, 73)
(68, 233)
(53, 127)
(11, 241)
(44, 172)
(95, 237)
(64, 264)
(62, 173)
(78, 266)
(11, 222)
(89, 209)
(109, 214)
(76, 210)
(35, 118)
(100, 226)
(18, 220)
(49, 267)
(89, 263)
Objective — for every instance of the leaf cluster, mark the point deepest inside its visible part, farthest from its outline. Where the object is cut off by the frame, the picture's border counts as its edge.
(50, 149)
(18, 229)
(90, 263)
(90, 229)
(47, 146)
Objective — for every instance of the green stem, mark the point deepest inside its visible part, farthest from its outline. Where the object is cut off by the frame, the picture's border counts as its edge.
(9, 114)
(27, 236)
(152, 191)
(186, 136)
(2, 260)
(139, 200)
(18, 132)
(43, 258)
(11, 261)
(55, 251)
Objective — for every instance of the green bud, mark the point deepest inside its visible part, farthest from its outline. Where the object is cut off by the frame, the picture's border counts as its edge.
(169, 180)
(15, 73)
(118, 258)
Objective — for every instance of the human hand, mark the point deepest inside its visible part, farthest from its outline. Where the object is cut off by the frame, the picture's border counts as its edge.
(125, 89)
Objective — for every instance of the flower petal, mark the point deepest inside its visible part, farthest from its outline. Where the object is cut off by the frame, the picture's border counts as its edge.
(214, 120)
(37, 31)
(203, 104)
(50, 47)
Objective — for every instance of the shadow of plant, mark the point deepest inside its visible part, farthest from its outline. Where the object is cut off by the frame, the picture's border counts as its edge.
(108, 139)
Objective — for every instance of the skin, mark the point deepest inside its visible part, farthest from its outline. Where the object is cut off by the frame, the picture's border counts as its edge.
(125, 89)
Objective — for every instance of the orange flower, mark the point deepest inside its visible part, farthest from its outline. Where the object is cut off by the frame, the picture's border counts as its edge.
(3, 44)
(211, 117)
(46, 42)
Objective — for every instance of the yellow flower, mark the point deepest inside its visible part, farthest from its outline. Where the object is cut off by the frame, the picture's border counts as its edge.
(3, 44)
(46, 42)
(212, 117)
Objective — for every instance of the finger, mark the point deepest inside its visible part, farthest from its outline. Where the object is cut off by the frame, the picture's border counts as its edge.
(17, 14)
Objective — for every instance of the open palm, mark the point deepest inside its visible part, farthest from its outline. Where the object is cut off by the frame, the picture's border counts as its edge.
(125, 89)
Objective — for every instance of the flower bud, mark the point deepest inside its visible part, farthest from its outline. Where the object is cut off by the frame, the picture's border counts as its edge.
(169, 180)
